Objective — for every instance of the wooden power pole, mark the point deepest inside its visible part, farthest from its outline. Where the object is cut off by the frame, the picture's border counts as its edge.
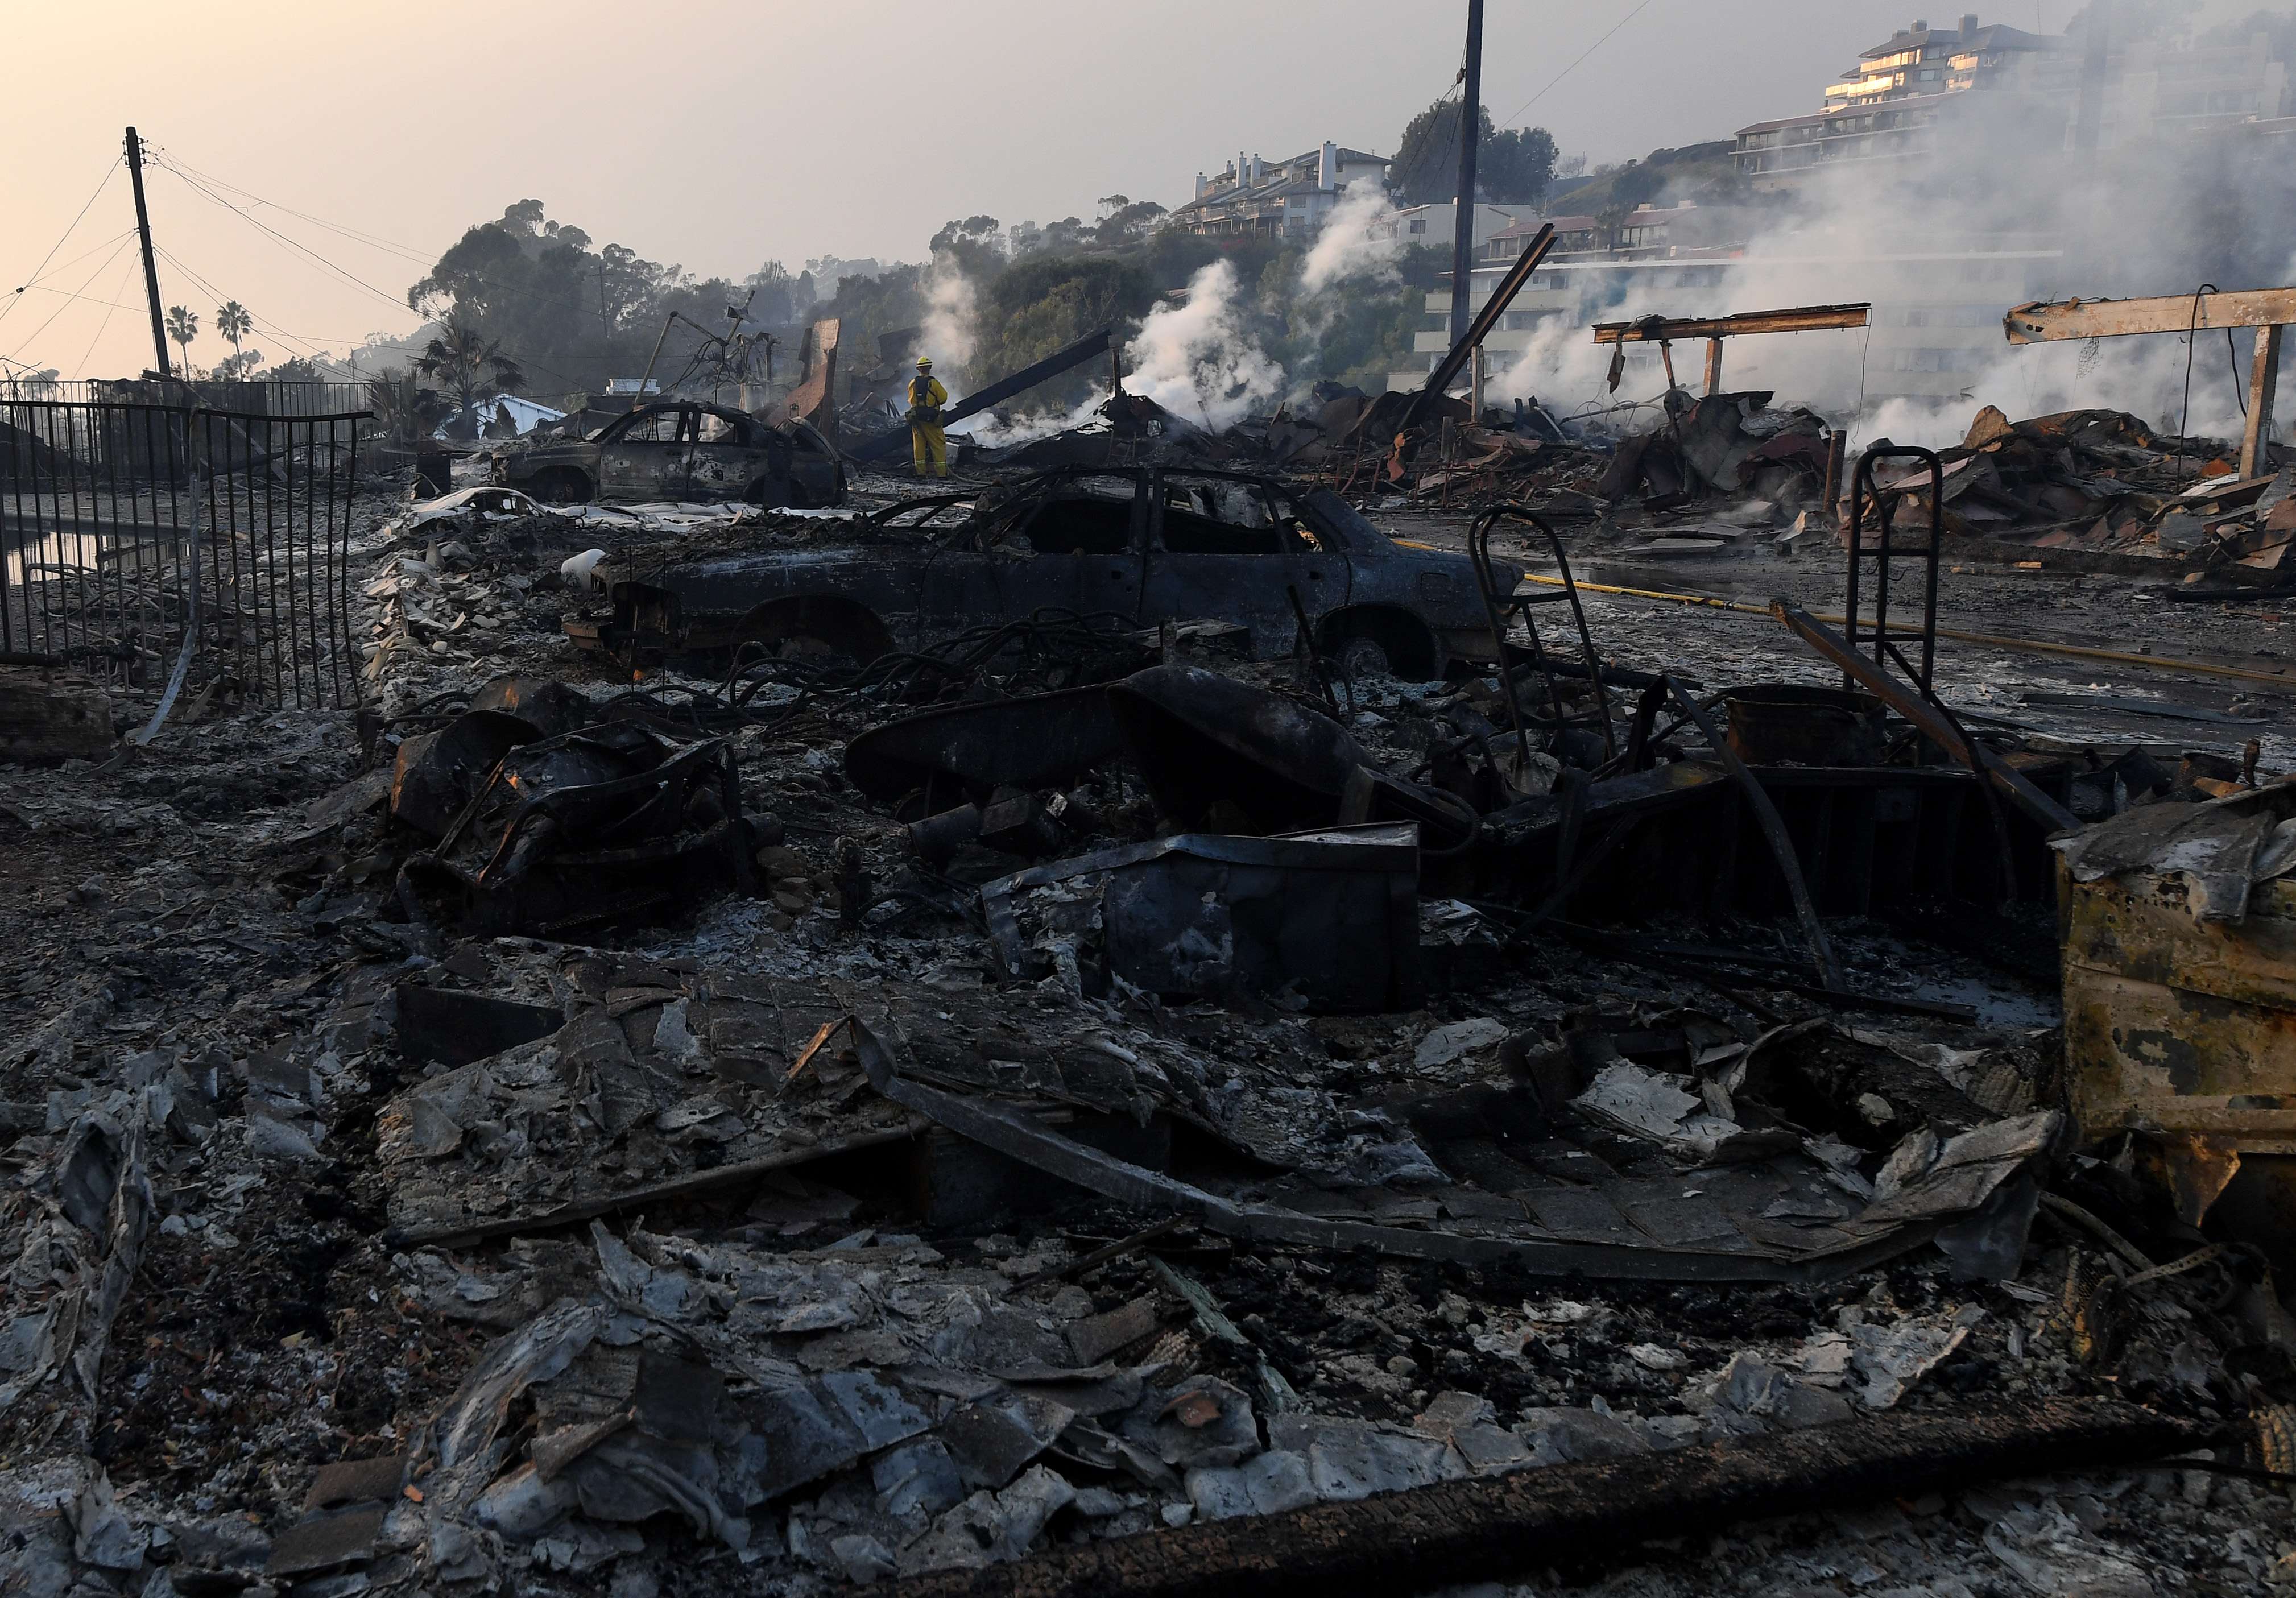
(150, 268)
(1470, 128)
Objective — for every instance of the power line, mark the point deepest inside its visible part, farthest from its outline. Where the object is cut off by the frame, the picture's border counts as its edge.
(102, 184)
(88, 354)
(1573, 67)
(376, 241)
(388, 299)
(70, 295)
(262, 326)
(37, 280)
(478, 277)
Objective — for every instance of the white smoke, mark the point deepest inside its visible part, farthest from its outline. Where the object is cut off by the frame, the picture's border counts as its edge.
(992, 431)
(1942, 253)
(950, 323)
(1353, 241)
(1198, 359)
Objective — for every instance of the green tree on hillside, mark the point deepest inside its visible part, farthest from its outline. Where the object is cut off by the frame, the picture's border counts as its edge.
(1515, 167)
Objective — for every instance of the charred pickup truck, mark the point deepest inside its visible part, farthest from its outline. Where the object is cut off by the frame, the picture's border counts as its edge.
(681, 449)
(1144, 544)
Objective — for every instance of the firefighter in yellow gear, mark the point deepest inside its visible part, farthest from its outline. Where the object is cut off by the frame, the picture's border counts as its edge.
(927, 443)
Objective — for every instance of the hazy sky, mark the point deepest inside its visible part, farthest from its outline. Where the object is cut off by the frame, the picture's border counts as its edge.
(718, 135)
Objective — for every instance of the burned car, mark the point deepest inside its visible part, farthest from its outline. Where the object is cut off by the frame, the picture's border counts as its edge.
(1145, 544)
(681, 449)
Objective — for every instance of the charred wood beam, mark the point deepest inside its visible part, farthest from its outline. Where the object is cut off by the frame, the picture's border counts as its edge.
(995, 393)
(2268, 310)
(1802, 319)
(2044, 320)
(1010, 1130)
(1459, 1532)
(693, 1186)
(1486, 319)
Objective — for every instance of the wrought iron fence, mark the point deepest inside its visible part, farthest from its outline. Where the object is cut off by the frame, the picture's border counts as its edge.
(126, 529)
(260, 397)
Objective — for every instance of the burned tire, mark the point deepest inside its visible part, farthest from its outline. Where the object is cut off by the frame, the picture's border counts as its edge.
(562, 486)
(1363, 657)
(1381, 640)
(824, 626)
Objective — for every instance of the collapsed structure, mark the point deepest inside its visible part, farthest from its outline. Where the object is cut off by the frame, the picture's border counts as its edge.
(1130, 1024)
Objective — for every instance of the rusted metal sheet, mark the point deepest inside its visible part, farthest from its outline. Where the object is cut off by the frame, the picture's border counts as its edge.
(2177, 1027)
(816, 400)
(2178, 925)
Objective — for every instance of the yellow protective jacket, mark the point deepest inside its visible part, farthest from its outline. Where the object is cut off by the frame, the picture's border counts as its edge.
(926, 398)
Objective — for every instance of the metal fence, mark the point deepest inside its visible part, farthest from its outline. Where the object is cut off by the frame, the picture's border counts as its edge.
(262, 397)
(127, 528)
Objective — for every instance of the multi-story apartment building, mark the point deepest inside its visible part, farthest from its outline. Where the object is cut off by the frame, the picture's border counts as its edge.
(1276, 199)
(1924, 89)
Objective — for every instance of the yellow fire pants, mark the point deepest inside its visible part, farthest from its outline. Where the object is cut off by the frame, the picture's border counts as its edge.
(929, 446)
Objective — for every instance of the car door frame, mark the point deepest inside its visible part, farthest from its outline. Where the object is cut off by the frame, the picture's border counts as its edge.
(1325, 576)
(1105, 582)
(670, 484)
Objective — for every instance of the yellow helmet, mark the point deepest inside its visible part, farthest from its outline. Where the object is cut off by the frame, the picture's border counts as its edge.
(924, 363)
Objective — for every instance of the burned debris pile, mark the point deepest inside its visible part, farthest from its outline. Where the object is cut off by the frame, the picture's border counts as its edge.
(794, 1108)
(2101, 482)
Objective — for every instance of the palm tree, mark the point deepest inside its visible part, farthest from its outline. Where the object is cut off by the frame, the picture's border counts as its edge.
(184, 326)
(233, 322)
(473, 367)
(404, 410)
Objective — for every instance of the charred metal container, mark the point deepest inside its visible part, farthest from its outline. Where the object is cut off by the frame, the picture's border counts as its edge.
(1786, 723)
(614, 825)
(2178, 924)
(1329, 919)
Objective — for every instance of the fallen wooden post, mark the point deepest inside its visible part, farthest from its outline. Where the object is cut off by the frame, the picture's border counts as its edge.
(1508, 1528)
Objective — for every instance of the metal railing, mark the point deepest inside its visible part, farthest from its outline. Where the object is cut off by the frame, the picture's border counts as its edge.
(258, 398)
(125, 527)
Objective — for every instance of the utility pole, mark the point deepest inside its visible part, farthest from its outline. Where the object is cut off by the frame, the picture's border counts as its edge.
(151, 270)
(1471, 126)
(2081, 255)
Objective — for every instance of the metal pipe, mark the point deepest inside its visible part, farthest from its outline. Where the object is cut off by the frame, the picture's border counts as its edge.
(1487, 319)
(1774, 829)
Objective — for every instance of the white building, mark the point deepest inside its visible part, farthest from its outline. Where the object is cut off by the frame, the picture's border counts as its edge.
(1434, 224)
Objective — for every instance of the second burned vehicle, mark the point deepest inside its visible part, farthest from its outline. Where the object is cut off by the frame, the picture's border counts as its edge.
(679, 450)
(1144, 544)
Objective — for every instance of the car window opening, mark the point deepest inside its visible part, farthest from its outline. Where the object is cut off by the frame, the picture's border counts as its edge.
(1084, 525)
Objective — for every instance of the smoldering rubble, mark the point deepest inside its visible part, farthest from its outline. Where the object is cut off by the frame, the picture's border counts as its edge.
(1085, 1101)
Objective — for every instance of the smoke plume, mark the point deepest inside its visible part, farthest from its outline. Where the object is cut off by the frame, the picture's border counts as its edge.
(1352, 242)
(1996, 217)
(1198, 359)
(951, 313)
